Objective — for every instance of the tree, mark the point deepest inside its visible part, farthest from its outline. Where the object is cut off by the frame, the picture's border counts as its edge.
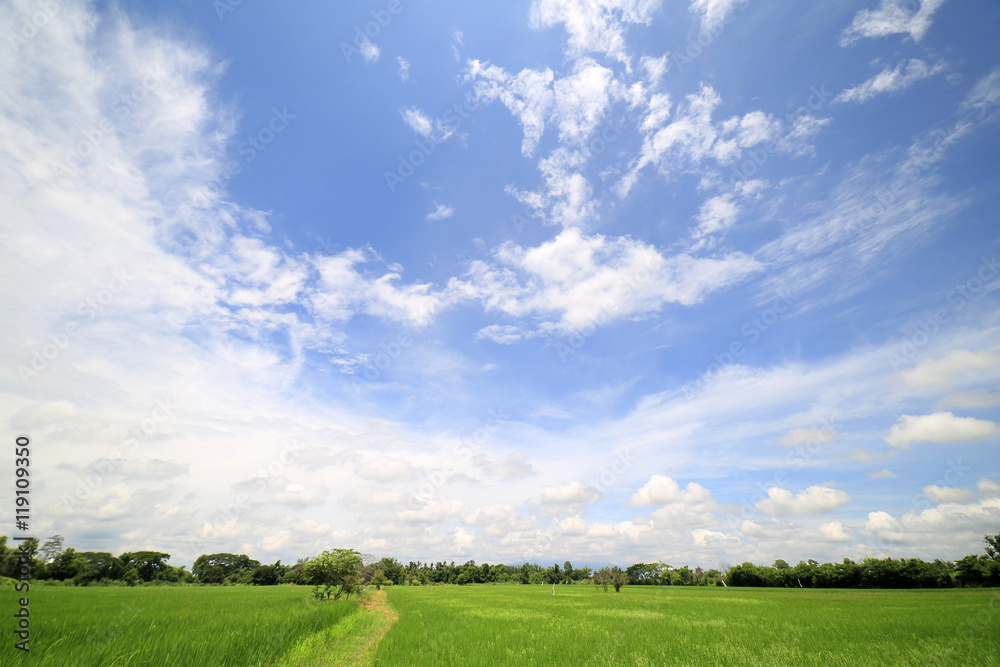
(618, 578)
(265, 575)
(52, 548)
(336, 571)
(67, 565)
(148, 565)
(992, 546)
(781, 565)
(216, 568)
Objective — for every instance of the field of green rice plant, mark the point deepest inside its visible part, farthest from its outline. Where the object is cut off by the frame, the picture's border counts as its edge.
(283, 626)
(527, 625)
(164, 626)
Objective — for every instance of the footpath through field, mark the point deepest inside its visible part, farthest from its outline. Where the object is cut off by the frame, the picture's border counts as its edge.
(353, 640)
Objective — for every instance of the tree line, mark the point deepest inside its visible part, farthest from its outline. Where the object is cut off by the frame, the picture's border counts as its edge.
(342, 571)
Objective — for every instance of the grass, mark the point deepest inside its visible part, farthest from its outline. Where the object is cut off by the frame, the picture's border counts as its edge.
(494, 625)
(165, 626)
(505, 625)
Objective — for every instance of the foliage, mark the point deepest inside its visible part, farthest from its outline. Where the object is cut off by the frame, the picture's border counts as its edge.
(660, 625)
(335, 572)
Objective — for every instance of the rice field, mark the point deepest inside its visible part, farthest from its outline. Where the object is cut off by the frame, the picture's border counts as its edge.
(644, 625)
(282, 626)
(239, 625)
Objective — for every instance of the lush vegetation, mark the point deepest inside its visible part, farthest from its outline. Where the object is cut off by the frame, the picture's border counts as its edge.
(341, 571)
(527, 625)
(180, 626)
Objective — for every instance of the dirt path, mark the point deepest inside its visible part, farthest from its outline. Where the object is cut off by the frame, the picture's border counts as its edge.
(377, 602)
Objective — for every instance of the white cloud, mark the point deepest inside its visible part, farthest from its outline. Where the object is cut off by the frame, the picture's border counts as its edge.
(567, 498)
(969, 400)
(593, 280)
(904, 75)
(662, 490)
(961, 514)
(691, 506)
(343, 291)
(528, 96)
(891, 18)
(714, 12)
(814, 500)
(768, 529)
(885, 473)
(940, 428)
(594, 26)
(434, 130)
(441, 212)
(713, 538)
(418, 121)
(835, 531)
(404, 68)
(370, 51)
(385, 469)
(693, 137)
(985, 94)
(954, 368)
(434, 510)
(947, 494)
(803, 436)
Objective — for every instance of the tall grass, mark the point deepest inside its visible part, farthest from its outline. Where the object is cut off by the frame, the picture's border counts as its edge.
(242, 626)
(494, 625)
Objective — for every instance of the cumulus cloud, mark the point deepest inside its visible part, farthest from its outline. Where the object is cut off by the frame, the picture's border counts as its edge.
(892, 17)
(591, 280)
(385, 469)
(441, 212)
(567, 498)
(715, 11)
(954, 368)
(940, 428)
(594, 26)
(904, 75)
(961, 514)
(835, 531)
(814, 500)
(691, 506)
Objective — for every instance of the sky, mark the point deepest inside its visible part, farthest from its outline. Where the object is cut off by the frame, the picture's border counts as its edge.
(616, 281)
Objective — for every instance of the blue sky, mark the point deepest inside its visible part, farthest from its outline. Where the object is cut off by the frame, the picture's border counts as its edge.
(617, 281)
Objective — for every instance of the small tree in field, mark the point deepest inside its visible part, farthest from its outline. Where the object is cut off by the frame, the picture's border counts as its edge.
(618, 578)
(334, 573)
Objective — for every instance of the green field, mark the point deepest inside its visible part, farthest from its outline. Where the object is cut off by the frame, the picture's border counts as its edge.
(508, 625)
